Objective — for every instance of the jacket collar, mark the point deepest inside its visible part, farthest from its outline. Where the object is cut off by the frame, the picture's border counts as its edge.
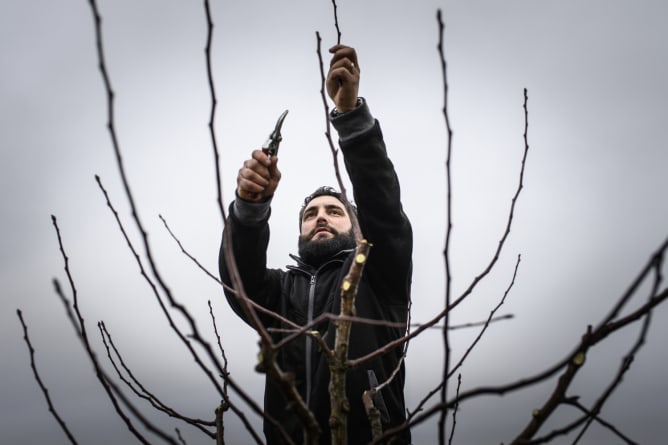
(309, 269)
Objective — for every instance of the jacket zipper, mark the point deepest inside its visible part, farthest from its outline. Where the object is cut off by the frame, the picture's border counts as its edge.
(309, 319)
(309, 341)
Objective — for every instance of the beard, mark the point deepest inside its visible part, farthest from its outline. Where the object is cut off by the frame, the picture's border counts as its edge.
(317, 252)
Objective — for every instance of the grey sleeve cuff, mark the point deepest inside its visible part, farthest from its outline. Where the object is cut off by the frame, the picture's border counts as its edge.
(252, 213)
(354, 122)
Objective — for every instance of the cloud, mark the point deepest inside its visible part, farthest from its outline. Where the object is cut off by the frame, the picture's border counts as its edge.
(591, 213)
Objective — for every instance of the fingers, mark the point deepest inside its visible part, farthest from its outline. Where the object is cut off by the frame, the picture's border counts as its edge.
(344, 57)
(344, 65)
(343, 77)
(258, 177)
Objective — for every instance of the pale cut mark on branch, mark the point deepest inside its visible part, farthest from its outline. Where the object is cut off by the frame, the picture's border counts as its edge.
(610, 325)
(372, 412)
(591, 338)
(339, 403)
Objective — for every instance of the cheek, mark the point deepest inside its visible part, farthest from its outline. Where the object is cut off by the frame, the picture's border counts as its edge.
(344, 226)
(306, 227)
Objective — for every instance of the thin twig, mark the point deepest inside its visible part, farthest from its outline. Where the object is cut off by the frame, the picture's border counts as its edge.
(212, 115)
(41, 384)
(335, 152)
(593, 337)
(156, 293)
(135, 214)
(339, 403)
(336, 23)
(472, 324)
(448, 232)
(603, 422)
(79, 325)
(141, 391)
(144, 236)
(187, 254)
(485, 325)
(489, 319)
(588, 340)
(454, 410)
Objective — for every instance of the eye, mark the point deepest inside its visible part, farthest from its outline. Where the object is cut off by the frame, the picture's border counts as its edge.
(336, 212)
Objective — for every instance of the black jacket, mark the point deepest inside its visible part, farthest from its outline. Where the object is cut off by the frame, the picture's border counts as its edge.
(301, 293)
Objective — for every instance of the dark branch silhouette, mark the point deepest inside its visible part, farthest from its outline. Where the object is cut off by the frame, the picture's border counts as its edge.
(42, 386)
(213, 361)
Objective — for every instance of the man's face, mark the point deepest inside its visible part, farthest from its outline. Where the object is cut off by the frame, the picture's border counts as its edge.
(325, 217)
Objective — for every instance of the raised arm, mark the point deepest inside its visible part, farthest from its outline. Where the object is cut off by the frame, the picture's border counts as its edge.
(375, 184)
(248, 232)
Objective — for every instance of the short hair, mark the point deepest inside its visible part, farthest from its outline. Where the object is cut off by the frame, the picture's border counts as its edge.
(324, 190)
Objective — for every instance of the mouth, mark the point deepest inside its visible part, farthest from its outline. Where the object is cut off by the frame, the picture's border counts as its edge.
(321, 231)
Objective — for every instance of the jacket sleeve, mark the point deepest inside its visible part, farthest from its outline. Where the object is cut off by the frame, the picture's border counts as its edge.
(378, 199)
(249, 241)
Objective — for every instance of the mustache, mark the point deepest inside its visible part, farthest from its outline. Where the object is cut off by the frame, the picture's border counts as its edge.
(329, 229)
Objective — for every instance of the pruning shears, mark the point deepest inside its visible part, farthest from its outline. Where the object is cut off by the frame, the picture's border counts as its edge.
(270, 148)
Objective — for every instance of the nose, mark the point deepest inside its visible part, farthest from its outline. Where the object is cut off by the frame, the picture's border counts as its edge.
(321, 219)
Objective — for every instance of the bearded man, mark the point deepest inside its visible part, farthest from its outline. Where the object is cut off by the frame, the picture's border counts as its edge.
(311, 287)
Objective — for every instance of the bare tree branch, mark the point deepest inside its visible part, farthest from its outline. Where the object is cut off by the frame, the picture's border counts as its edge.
(163, 307)
(80, 328)
(335, 152)
(590, 339)
(563, 371)
(336, 23)
(448, 230)
(454, 410)
(471, 324)
(42, 386)
(212, 115)
(141, 391)
(339, 403)
(187, 254)
(485, 325)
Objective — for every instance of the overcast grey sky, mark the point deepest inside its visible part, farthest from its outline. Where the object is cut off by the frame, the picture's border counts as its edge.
(592, 211)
